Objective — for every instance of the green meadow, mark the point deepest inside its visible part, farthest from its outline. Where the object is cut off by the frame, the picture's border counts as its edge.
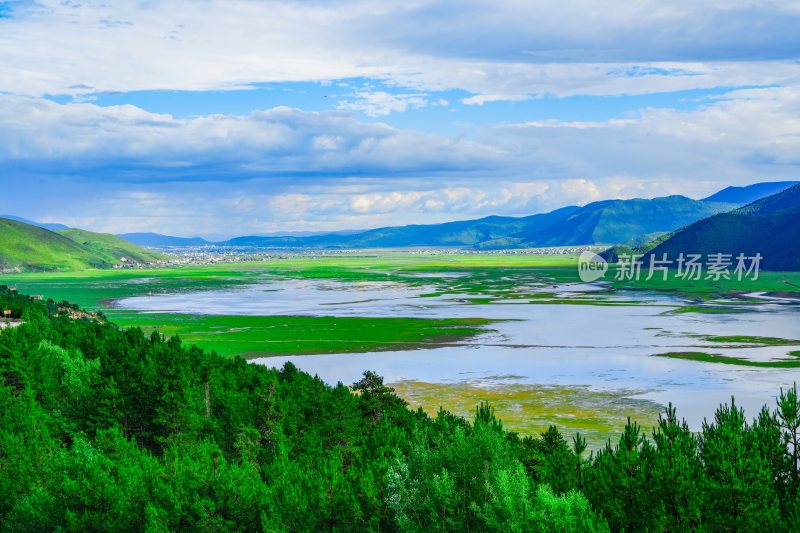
(259, 336)
(470, 278)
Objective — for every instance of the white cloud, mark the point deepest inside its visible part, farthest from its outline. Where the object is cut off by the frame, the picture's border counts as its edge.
(381, 103)
(124, 169)
(741, 137)
(35, 133)
(505, 49)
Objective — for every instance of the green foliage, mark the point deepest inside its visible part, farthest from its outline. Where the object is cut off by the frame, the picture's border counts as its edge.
(105, 429)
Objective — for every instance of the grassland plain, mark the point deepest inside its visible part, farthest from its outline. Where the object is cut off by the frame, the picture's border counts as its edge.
(250, 335)
(490, 276)
(476, 278)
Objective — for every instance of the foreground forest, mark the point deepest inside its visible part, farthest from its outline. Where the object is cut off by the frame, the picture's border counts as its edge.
(103, 428)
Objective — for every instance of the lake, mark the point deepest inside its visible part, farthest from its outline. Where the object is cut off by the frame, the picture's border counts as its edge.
(581, 346)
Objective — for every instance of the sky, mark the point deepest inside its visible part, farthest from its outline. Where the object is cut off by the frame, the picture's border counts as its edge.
(240, 117)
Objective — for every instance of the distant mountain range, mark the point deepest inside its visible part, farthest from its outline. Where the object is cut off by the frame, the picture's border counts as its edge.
(29, 247)
(750, 193)
(157, 240)
(606, 222)
(620, 221)
(769, 226)
(634, 222)
(462, 233)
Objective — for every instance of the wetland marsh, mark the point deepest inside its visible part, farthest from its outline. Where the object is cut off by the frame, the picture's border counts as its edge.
(450, 331)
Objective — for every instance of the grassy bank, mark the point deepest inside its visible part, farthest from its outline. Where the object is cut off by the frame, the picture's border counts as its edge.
(264, 336)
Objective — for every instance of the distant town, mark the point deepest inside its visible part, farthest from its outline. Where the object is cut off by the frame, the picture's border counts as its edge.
(208, 255)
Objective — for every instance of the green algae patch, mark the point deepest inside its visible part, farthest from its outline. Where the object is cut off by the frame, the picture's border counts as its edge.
(707, 309)
(726, 360)
(751, 339)
(531, 409)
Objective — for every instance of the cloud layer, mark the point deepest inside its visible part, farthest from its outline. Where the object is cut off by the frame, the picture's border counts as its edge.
(362, 161)
(82, 137)
(500, 49)
(285, 168)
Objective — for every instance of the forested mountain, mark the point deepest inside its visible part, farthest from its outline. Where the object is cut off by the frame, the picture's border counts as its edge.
(770, 226)
(633, 221)
(605, 222)
(104, 429)
(461, 233)
(27, 247)
(609, 221)
(749, 193)
(619, 221)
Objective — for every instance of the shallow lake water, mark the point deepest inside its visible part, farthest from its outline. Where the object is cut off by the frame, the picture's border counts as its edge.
(603, 347)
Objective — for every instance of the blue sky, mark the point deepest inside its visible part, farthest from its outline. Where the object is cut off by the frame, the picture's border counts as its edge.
(442, 112)
(252, 116)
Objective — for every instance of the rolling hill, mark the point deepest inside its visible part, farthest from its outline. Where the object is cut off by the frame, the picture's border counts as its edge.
(46, 225)
(770, 226)
(27, 247)
(110, 248)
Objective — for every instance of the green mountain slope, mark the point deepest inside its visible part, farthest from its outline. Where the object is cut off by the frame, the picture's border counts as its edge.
(620, 221)
(110, 247)
(770, 226)
(27, 247)
(466, 233)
